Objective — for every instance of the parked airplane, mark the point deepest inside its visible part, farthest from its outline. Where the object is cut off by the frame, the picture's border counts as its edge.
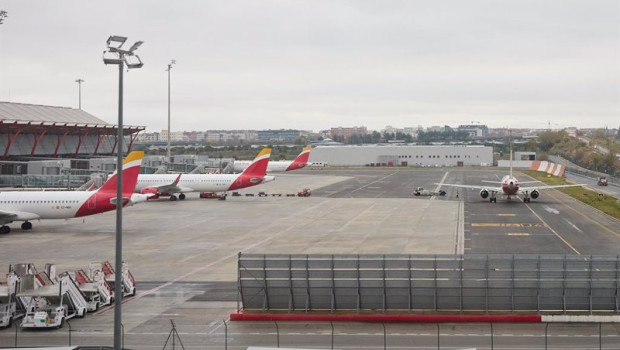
(158, 185)
(509, 186)
(279, 165)
(35, 205)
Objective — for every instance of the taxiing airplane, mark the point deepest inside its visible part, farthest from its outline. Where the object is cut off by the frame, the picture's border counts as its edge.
(158, 185)
(35, 205)
(279, 165)
(510, 186)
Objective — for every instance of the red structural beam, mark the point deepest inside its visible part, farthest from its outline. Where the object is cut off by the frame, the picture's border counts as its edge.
(80, 141)
(11, 139)
(386, 318)
(99, 139)
(132, 138)
(61, 138)
(37, 139)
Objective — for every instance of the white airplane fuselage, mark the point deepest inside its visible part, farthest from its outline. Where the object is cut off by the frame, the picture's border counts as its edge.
(46, 205)
(195, 182)
(510, 185)
(272, 166)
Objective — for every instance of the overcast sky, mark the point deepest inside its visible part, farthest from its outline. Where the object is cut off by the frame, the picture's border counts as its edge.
(318, 64)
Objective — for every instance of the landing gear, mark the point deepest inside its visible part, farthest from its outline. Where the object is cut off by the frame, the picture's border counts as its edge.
(5, 229)
(26, 225)
(173, 197)
(182, 196)
(493, 200)
(526, 200)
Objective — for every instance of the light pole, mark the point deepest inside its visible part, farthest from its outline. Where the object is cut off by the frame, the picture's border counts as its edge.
(120, 57)
(79, 81)
(169, 68)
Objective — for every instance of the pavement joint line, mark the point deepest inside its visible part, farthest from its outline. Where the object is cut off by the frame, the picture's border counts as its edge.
(440, 183)
(459, 244)
(368, 184)
(196, 270)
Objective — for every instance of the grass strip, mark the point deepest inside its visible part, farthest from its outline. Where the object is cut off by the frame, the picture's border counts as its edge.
(607, 204)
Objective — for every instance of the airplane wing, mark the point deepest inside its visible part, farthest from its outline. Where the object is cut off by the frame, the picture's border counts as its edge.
(8, 216)
(170, 187)
(547, 187)
(473, 187)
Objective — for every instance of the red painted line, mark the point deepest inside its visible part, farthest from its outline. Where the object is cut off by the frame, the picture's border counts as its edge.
(386, 318)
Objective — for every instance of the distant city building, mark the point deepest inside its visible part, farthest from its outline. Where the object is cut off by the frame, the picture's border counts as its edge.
(436, 128)
(282, 135)
(348, 132)
(413, 132)
(475, 130)
(571, 131)
(148, 137)
(230, 136)
(174, 136)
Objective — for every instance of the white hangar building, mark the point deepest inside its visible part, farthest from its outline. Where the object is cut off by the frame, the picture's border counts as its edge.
(378, 155)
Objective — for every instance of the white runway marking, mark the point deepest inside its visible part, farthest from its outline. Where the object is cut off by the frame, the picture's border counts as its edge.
(551, 210)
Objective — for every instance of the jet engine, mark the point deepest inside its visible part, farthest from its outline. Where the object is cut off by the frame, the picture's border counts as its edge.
(150, 190)
(535, 194)
(484, 193)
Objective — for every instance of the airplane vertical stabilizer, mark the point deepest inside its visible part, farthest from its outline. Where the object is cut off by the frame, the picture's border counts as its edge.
(301, 160)
(255, 173)
(131, 169)
(104, 199)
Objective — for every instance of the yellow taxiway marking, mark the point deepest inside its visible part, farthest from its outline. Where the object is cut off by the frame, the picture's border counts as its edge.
(506, 214)
(499, 224)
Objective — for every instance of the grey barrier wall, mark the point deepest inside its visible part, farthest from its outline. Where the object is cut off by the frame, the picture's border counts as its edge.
(552, 283)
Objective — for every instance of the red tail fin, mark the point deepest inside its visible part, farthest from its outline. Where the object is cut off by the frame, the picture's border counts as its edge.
(131, 169)
(301, 160)
(255, 173)
(258, 168)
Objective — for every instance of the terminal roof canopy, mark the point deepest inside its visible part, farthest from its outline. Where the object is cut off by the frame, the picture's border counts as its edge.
(50, 116)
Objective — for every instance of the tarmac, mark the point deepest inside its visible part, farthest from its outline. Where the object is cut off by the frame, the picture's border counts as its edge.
(183, 254)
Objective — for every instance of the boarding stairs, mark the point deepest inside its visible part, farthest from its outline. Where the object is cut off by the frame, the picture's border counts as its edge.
(97, 291)
(128, 281)
(10, 307)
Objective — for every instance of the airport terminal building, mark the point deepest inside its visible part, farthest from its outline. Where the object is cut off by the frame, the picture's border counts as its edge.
(29, 132)
(404, 155)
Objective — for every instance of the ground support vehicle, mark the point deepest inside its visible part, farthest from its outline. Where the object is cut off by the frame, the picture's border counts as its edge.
(422, 192)
(9, 310)
(50, 305)
(211, 195)
(129, 283)
(97, 291)
(304, 193)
